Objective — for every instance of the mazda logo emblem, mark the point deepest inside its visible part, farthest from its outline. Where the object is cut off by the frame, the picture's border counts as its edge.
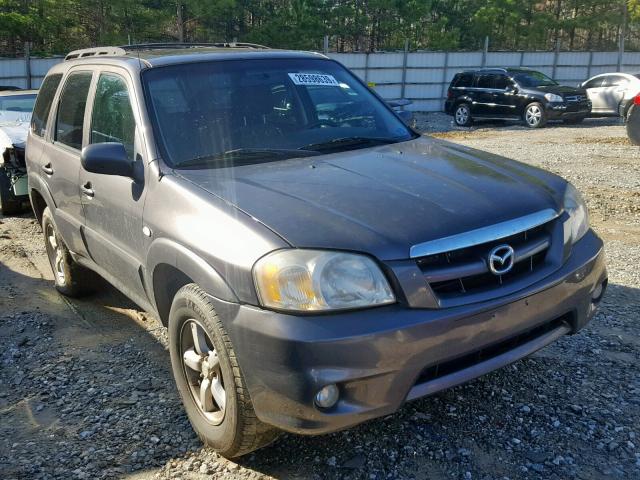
(501, 259)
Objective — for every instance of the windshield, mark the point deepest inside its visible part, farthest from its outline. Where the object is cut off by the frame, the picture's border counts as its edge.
(212, 114)
(533, 79)
(18, 103)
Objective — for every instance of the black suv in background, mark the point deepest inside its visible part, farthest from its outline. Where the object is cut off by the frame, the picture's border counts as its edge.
(514, 94)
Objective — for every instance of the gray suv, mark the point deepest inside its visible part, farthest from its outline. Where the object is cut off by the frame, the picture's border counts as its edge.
(317, 263)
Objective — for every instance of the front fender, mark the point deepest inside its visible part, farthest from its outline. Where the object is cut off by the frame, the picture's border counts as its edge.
(165, 251)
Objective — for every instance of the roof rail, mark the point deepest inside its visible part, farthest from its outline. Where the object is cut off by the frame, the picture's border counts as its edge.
(97, 51)
(123, 49)
(152, 46)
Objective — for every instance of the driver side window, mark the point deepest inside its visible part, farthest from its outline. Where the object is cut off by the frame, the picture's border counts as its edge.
(112, 117)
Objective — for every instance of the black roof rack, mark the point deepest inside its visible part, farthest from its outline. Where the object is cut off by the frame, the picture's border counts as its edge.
(123, 49)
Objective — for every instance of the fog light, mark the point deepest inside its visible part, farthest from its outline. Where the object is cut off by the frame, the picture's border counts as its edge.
(327, 396)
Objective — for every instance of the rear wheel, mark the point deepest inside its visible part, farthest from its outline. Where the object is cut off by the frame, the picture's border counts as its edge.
(71, 279)
(9, 204)
(209, 379)
(535, 115)
(462, 115)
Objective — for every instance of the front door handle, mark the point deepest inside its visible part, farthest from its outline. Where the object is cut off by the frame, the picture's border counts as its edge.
(87, 190)
(47, 169)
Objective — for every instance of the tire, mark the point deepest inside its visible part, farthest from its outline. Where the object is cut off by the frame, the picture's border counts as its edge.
(534, 115)
(633, 125)
(573, 121)
(462, 115)
(9, 204)
(225, 422)
(71, 279)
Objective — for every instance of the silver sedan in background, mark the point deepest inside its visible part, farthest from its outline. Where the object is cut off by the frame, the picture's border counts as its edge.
(611, 94)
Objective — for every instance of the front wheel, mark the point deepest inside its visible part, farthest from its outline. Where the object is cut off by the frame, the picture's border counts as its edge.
(462, 115)
(209, 379)
(535, 115)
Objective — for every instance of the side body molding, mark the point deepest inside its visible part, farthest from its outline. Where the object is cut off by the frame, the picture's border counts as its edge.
(165, 251)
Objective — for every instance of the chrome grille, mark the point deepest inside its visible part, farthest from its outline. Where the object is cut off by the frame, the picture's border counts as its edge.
(575, 98)
(457, 274)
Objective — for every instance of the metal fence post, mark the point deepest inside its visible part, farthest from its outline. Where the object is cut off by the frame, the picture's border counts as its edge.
(27, 63)
(404, 68)
(556, 55)
(325, 46)
(620, 52)
(366, 68)
(444, 78)
(485, 51)
(590, 64)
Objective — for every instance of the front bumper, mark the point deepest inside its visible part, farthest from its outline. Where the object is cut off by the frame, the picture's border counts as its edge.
(562, 111)
(382, 357)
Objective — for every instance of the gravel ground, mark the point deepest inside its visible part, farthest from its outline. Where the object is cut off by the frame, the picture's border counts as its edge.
(86, 389)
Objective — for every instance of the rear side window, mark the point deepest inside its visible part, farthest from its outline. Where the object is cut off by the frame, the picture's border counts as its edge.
(615, 81)
(462, 80)
(43, 104)
(112, 117)
(485, 81)
(594, 82)
(73, 101)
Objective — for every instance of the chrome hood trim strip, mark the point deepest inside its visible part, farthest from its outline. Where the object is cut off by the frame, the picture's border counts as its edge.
(484, 234)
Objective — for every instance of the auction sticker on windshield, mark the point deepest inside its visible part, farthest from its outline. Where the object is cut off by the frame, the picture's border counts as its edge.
(314, 79)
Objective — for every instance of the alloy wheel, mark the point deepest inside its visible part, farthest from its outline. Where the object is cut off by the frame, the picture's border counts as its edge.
(462, 115)
(201, 366)
(533, 115)
(56, 254)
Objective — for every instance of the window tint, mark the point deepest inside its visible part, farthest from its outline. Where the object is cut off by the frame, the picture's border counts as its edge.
(615, 81)
(502, 82)
(463, 80)
(214, 114)
(485, 81)
(43, 104)
(594, 82)
(73, 101)
(17, 103)
(112, 117)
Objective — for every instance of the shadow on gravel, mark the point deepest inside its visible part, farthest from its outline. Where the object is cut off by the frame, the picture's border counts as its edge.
(86, 389)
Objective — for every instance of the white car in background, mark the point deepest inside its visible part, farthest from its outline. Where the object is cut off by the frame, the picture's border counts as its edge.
(611, 94)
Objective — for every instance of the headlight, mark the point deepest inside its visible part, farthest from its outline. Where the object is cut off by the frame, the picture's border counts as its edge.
(577, 210)
(552, 97)
(312, 280)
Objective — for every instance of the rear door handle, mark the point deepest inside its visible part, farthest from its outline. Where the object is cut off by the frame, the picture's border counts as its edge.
(87, 190)
(47, 169)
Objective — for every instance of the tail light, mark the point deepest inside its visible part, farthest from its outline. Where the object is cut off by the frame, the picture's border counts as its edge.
(450, 94)
(636, 99)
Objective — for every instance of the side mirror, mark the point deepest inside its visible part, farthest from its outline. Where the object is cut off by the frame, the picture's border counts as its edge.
(512, 89)
(107, 159)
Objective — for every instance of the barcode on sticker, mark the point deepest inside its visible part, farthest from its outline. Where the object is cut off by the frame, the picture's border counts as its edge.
(313, 79)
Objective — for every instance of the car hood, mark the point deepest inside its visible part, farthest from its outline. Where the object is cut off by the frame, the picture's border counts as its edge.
(563, 90)
(13, 134)
(385, 199)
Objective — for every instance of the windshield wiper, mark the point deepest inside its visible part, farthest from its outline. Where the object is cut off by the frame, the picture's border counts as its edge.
(349, 142)
(242, 155)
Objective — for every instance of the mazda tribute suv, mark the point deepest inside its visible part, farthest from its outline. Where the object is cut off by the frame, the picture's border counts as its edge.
(316, 262)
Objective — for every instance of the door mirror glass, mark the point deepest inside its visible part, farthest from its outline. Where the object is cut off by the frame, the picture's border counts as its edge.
(109, 158)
